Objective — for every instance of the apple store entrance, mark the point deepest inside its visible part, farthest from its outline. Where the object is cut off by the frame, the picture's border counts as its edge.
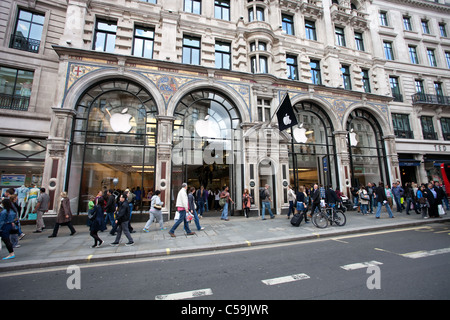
(312, 157)
(113, 143)
(207, 147)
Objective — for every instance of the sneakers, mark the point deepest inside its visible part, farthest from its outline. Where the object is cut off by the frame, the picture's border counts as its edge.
(128, 244)
(116, 244)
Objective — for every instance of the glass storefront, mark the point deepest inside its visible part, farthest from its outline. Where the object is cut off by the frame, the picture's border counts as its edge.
(113, 143)
(207, 147)
(312, 151)
(22, 165)
(366, 149)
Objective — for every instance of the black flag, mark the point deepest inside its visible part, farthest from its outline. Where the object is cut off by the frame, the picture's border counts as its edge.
(286, 115)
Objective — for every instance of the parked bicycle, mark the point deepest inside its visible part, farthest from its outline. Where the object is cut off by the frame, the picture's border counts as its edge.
(328, 214)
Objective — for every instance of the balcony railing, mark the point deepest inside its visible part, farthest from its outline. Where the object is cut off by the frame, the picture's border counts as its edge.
(13, 102)
(422, 98)
(25, 44)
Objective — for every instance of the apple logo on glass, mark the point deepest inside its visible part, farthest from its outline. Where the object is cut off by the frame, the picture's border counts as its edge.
(300, 134)
(120, 122)
(287, 120)
(206, 128)
(353, 141)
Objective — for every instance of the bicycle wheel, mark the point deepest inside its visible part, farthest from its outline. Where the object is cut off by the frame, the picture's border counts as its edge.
(320, 220)
(339, 218)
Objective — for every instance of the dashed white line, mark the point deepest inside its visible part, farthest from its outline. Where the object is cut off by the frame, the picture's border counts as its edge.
(360, 265)
(291, 278)
(185, 295)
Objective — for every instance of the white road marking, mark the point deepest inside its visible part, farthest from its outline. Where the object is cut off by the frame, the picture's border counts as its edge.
(422, 254)
(360, 265)
(185, 295)
(291, 278)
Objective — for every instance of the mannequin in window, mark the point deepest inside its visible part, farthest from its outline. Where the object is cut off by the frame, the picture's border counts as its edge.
(22, 196)
(32, 199)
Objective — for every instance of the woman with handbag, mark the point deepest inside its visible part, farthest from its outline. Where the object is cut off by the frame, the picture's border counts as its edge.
(364, 199)
(246, 202)
(423, 201)
(155, 212)
(7, 216)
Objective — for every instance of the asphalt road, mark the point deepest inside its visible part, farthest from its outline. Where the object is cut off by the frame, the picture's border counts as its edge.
(412, 263)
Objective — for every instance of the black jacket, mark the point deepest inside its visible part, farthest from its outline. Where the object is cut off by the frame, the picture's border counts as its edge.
(316, 196)
(110, 204)
(380, 194)
(330, 196)
(124, 212)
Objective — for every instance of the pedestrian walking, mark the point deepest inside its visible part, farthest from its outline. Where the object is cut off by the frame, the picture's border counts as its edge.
(225, 197)
(265, 200)
(302, 202)
(182, 207)
(192, 209)
(110, 208)
(155, 212)
(43, 202)
(365, 198)
(122, 220)
(292, 198)
(98, 223)
(246, 203)
(64, 216)
(7, 216)
(315, 198)
(397, 192)
(381, 200)
(423, 201)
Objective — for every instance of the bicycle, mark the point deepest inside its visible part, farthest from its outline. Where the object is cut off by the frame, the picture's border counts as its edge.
(328, 214)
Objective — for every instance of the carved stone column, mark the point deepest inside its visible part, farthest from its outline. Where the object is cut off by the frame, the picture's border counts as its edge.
(56, 157)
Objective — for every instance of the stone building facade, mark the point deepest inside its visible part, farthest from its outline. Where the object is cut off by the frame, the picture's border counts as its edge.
(127, 93)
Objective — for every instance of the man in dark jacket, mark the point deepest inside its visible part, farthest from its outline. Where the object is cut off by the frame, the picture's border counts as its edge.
(110, 209)
(123, 215)
(381, 199)
(315, 199)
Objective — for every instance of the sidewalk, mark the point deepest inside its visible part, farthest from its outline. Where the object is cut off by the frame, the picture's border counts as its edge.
(39, 251)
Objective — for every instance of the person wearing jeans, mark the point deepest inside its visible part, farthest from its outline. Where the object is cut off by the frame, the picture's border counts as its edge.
(182, 207)
(225, 194)
(266, 203)
(382, 200)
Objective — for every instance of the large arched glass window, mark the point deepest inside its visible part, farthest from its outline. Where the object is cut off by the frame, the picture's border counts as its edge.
(312, 151)
(113, 142)
(366, 149)
(207, 148)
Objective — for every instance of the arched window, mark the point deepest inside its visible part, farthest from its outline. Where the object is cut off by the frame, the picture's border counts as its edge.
(113, 142)
(366, 149)
(312, 151)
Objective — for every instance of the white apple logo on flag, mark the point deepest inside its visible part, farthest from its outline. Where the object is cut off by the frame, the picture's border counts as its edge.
(206, 128)
(353, 141)
(120, 122)
(287, 120)
(300, 134)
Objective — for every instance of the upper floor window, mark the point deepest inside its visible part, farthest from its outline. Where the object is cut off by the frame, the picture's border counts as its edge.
(365, 80)
(263, 110)
(15, 88)
(340, 36)
(310, 29)
(105, 35)
(222, 9)
(383, 18)
(258, 60)
(443, 30)
(431, 57)
(395, 88)
(193, 6)
(191, 50)
(346, 78)
(28, 31)
(315, 72)
(447, 58)
(143, 42)
(425, 27)
(445, 125)
(402, 128)
(359, 41)
(428, 128)
(292, 67)
(388, 51)
(407, 23)
(223, 55)
(256, 13)
(413, 54)
(288, 24)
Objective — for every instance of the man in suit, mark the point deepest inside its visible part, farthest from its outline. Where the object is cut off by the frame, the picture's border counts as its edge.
(315, 199)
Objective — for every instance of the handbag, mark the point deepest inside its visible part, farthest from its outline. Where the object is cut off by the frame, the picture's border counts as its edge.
(189, 217)
(441, 210)
(157, 206)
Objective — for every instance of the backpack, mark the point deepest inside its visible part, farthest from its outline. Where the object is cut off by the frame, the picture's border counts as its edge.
(262, 194)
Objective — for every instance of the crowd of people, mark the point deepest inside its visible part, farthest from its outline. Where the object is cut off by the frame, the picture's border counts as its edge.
(110, 206)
